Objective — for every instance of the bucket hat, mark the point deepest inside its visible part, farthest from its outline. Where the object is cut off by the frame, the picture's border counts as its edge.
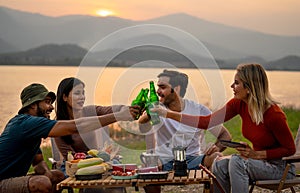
(33, 93)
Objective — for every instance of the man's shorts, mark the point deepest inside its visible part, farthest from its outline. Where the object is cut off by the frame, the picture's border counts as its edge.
(15, 185)
(193, 163)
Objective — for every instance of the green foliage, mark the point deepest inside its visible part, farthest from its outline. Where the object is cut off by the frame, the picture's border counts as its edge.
(47, 153)
(293, 118)
(131, 150)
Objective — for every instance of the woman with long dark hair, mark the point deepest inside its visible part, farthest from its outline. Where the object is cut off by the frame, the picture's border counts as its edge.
(70, 105)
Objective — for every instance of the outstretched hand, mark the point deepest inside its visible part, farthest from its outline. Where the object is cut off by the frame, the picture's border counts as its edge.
(160, 110)
(144, 118)
(134, 110)
(127, 113)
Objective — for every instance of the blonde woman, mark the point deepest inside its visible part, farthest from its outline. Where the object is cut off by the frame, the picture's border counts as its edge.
(263, 124)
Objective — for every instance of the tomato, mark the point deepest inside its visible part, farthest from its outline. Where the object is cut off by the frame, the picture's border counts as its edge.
(114, 173)
(80, 155)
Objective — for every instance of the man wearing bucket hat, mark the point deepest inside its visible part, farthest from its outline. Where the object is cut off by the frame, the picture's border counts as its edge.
(34, 93)
(21, 139)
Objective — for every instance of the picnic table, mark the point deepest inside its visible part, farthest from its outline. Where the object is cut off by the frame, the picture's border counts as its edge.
(201, 176)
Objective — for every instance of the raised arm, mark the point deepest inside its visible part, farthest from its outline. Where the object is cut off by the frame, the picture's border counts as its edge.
(86, 124)
(190, 120)
(201, 122)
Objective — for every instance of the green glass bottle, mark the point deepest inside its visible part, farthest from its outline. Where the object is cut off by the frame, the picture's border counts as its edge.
(145, 98)
(147, 102)
(139, 101)
(153, 100)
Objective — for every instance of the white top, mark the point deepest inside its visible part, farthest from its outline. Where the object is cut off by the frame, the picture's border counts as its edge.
(173, 133)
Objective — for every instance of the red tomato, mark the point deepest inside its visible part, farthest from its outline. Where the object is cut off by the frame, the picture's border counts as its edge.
(80, 155)
(114, 173)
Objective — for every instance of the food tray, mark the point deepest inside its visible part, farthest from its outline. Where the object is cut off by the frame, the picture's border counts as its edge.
(147, 169)
(88, 177)
(124, 167)
(153, 175)
(124, 177)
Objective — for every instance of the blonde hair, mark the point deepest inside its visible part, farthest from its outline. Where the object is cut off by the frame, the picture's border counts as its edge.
(255, 80)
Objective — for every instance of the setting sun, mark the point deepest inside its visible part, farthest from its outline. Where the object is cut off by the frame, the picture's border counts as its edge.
(104, 12)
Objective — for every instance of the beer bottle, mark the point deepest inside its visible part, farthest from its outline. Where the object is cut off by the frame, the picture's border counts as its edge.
(147, 102)
(139, 101)
(153, 100)
(145, 98)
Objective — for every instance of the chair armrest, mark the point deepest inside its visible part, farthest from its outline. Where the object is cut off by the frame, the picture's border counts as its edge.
(213, 177)
(292, 159)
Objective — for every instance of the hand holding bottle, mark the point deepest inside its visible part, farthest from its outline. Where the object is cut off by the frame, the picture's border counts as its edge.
(151, 103)
(139, 100)
(144, 118)
(127, 113)
(146, 103)
(160, 110)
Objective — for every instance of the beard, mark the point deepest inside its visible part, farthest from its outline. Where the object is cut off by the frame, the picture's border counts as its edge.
(42, 113)
(169, 99)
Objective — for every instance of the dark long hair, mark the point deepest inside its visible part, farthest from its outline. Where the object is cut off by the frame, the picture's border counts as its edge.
(64, 88)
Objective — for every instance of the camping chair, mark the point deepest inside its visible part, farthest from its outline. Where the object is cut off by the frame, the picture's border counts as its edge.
(56, 159)
(283, 183)
(214, 179)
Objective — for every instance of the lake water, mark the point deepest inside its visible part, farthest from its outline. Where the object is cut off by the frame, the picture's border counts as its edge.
(108, 86)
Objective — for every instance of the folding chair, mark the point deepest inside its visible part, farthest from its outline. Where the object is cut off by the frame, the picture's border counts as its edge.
(214, 179)
(283, 183)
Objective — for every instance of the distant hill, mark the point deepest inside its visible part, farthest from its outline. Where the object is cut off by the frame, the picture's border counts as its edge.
(6, 47)
(72, 55)
(286, 63)
(51, 54)
(21, 31)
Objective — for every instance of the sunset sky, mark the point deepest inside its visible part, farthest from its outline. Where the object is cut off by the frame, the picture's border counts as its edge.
(270, 16)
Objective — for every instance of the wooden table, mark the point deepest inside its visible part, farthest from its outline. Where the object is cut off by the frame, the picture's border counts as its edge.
(194, 177)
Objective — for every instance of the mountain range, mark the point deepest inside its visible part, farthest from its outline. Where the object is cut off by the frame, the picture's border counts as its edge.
(23, 31)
